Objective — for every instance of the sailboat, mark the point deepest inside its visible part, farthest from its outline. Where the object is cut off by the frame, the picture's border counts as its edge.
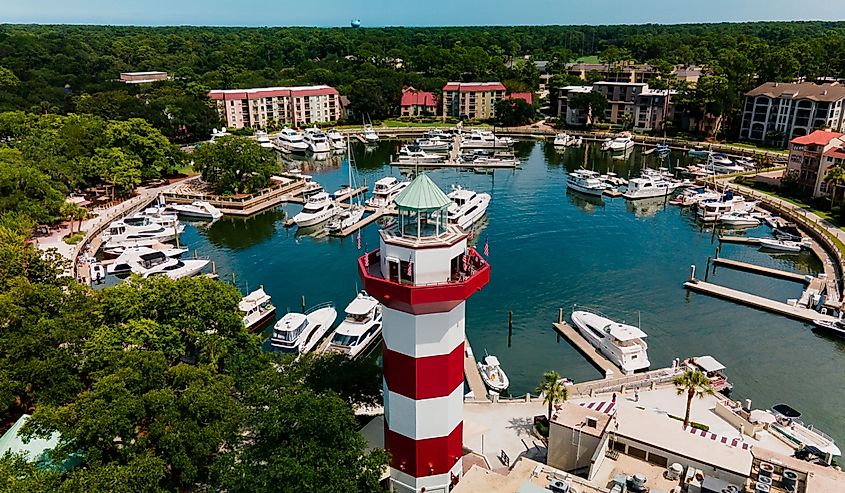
(347, 217)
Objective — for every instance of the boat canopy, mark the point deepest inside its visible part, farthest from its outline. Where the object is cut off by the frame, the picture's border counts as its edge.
(709, 363)
(361, 306)
(624, 332)
(253, 299)
(491, 361)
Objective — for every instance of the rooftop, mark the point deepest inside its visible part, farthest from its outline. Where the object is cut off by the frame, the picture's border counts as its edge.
(418, 98)
(525, 96)
(800, 90)
(474, 86)
(422, 195)
(35, 449)
(817, 137)
(526, 476)
(262, 92)
(573, 416)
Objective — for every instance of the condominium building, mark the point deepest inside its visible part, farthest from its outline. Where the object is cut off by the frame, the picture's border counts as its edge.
(632, 72)
(297, 106)
(810, 158)
(777, 112)
(647, 108)
(418, 103)
(474, 100)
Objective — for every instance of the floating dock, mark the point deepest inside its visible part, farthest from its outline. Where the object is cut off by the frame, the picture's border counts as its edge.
(363, 222)
(613, 193)
(798, 313)
(472, 375)
(587, 349)
(759, 269)
(740, 239)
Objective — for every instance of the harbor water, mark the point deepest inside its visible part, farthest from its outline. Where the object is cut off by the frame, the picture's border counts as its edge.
(551, 249)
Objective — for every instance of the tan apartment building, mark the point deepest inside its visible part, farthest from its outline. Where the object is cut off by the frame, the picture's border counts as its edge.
(295, 106)
(810, 158)
(473, 100)
(632, 72)
(143, 77)
(647, 108)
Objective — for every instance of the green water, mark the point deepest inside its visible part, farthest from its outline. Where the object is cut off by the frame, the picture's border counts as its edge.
(551, 249)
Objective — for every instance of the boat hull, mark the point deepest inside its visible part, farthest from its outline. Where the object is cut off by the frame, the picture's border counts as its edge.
(262, 321)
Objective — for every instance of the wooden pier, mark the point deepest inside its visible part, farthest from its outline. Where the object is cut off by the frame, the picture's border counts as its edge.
(799, 313)
(759, 269)
(587, 349)
(612, 193)
(363, 222)
(740, 239)
(472, 375)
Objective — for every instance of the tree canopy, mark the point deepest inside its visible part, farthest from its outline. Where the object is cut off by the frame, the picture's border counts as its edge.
(233, 164)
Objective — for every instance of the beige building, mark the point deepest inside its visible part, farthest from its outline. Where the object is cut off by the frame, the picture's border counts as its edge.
(646, 108)
(294, 106)
(810, 158)
(632, 72)
(473, 100)
(143, 77)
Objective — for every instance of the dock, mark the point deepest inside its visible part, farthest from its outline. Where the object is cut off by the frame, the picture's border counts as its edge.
(796, 312)
(472, 375)
(587, 349)
(740, 239)
(759, 269)
(363, 222)
(612, 193)
(360, 138)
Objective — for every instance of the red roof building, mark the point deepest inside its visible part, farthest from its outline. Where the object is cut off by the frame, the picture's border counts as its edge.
(297, 106)
(418, 103)
(810, 158)
(818, 137)
(473, 100)
(525, 96)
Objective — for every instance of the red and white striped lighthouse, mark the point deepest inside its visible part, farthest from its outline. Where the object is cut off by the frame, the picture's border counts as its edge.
(423, 274)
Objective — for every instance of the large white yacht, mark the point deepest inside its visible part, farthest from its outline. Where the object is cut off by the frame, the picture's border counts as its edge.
(481, 139)
(385, 190)
(197, 210)
(414, 154)
(318, 208)
(336, 139)
(317, 140)
(361, 327)
(623, 344)
(264, 140)
(257, 309)
(721, 164)
(712, 210)
(649, 185)
(121, 234)
(619, 144)
(300, 333)
(129, 256)
(158, 263)
(467, 207)
(586, 182)
(289, 140)
(369, 134)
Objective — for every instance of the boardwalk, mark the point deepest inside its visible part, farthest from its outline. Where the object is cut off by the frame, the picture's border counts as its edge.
(765, 304)
(587, 349)
(759, 269)
(472, 375)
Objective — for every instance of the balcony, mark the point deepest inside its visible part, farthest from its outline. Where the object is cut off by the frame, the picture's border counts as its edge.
(423, 298)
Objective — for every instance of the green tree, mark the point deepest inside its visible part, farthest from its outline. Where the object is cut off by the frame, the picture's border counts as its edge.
(120, 170)
(592, 103)
(553, 390)
(514, 112)
(8, 79)
(693, 383)
(26, 189)
(834, 178)
(235, 164)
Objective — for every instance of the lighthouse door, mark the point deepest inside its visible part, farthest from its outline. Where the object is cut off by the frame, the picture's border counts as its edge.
(393, 269)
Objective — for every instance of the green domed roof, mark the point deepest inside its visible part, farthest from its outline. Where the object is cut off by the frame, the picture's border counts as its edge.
(422, 195)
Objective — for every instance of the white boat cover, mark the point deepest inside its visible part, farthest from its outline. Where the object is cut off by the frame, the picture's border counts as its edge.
(709, 363)
(361, 305)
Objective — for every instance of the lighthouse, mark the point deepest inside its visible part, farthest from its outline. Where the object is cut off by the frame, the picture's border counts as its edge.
(423, 273)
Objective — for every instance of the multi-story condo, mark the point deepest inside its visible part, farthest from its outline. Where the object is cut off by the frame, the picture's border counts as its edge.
(621, 72)
(472, 99)
(777, 112)
(297, 106)
(647, 107)
(418, 103)
(810, 158)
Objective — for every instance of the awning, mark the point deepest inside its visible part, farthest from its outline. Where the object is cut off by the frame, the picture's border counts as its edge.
(708, 363)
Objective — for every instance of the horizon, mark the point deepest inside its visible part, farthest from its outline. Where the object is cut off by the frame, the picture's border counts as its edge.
(383, 14)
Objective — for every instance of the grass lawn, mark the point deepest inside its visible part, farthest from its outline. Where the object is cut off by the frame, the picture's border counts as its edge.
(753, 147)
(799, 202)
(186, 170)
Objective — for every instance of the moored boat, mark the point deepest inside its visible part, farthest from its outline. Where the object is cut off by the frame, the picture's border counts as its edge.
(318, 209)
(257, 309)
(586, 182)
(467, 207)
(780, 245)
(300, 332)
(385, 190)
(492, 374)
(360, 329)
(198, 210)
(622, 344)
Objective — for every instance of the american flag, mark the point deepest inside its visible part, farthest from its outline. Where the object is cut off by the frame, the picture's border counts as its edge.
(359, 239)
(366, 257)
(472, 232)
(410, 268)
(466, 260)
(487, 246)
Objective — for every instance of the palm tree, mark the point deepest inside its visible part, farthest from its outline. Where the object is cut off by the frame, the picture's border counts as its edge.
(553, 389)
(694, 383)
(835, 177)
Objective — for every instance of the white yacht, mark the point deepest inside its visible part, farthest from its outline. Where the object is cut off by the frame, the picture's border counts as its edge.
(649, 185)
(493, 375)
(781, 245)
(433, 145)
(623, 344)
(317, 140)
(311, 186)
(480, 139)
(157, 263)
(318, 208)
(129, 256)
(361, 327)
(336, 139)
(563, 139)
(713, 210)
(467, 207)
(413, 154)
(385, 190)
(300, 333)
(197, 210)
(264, 140)
(586, 182)
(369, 134)
(619, 144)
(721, 164)
(345, 218)
(153, 216)
(257, 309)
(289, 140)
(121, 234)
(739, 218)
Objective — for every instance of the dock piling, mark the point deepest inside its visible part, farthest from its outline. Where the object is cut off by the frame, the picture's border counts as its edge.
(692, 273)
(303, 303)
(510, 327)
(707, 270)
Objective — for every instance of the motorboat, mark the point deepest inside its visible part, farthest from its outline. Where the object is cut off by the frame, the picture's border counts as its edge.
(121, 234)
(98, 272)
(289, 140)
(337, 140)
(129, 257)
(385, 190)
(787, 422)
(412, 154)
(311, 187)
(781, 245)
(746, 163)
(257, 309)
(467, 207)
(318, 208)
(264, 140)
(835, 327)
(492, 374)
(157, 263)
(612, 181)
(713, 210)
(739, 218)
(586, 182)
(721, 164)
(359, 329)
(692, 197)
(300, 332)
(649, 185)
(622, 344)
(787, 231)
(345, 218)
(317, 141)
(369, 133)
(481, 139)
(155, 214)
(433, 145)
(698, 152)
(198, 210)
(619, 144)
(563, 139)
(438, 134)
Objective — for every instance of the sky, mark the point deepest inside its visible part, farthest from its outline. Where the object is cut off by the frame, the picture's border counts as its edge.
(377, 13)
